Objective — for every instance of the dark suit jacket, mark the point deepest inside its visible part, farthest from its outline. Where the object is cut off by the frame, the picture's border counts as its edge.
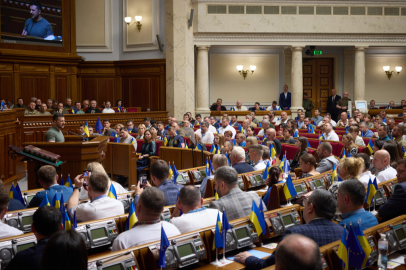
(29, 258)
(284, 102)
(396, 205)
(243, 168)
(134, 130)
(322, 231)
(331, 107)
(214, 108)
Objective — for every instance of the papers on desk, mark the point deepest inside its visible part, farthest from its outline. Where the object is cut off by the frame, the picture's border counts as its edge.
(255, 253)
(270, 246)
(395, 259)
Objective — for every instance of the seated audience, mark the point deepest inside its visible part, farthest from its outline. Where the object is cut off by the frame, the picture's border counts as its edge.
(397, 133)
(319, 209)
(350, 201)
(214, 123)
(119, 104)
(256, 151)
(207, 135)
(148, 227)
(287, 136)
(327, 159)
(107, 107)
(141, 130)
(275, 176)
(228, 135)
(20, 104)
(100, 206)
(271, 136)
(327, 119)
(160, 178)
(349, 168)
(225, 126)
(301, 144)
(366, 173)
(317, 118)
(300, 122)
(13, 204)
(148, 150)
(307, 124)
(219, 141)
(233, 121)
(236, 202)
(43, 110)
(367, 119)
(249, 131)
(384, 171)
(92, 108)
(308, 165)
(395, 152)
(396, 205)
(349, 146)
(343, 122)
(253, 114)
(354, 131)
(240, 139)
(266, 155)
(125, 137)
(161, 129)
(283, 119)
(67, 250)
(131, 128)
(91, 133)
(46, 221)
(198, 142)
(218, 161)
(5, 229)
(174, 140)
(265, 125)
(250, 142)
(48, 179)
(239, 106)
(153, 130)
(365, 132)
(382, 133)
(31, 109)
(237, 159)
(85, 105)
(329, 133)
(77, 109)
(195, 216)
(107, 131)
(217, 106)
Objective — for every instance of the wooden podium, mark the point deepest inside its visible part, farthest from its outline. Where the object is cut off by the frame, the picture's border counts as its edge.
(74, 151)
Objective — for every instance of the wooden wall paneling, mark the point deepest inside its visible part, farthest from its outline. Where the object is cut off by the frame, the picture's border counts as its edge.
(139, 93)
(106, 90)
(6, 86)
(11, 162)
(61, 88)
(27, 88)
(126, 92)
(3, 153)
(154, 95)
(29, 136)
(41, 87)
(89, 88)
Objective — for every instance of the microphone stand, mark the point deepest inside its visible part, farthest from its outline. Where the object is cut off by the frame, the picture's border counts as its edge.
(83, 137)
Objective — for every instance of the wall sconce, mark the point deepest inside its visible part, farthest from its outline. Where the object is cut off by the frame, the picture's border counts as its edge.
(389, 73)
(245, 72)
(137, 22)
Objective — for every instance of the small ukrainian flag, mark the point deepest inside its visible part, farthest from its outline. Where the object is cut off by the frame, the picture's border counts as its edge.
(112, 192)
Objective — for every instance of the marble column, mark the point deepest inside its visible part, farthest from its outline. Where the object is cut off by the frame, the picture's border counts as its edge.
(359, 73)
(288, 67)
(296, 87)
(180, 92)
(202, 80)
(348, 73)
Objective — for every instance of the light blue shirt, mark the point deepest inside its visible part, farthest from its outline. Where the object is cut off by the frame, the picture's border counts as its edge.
(368, 219)
(204, 184)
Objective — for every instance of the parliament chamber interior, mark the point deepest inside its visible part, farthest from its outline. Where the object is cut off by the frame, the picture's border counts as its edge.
(196, 134)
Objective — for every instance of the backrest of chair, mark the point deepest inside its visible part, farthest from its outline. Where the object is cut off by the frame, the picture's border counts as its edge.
(187, 140)
(158, 144)
(257, 130)
(140, 142)
(132, 110)
(290, 150)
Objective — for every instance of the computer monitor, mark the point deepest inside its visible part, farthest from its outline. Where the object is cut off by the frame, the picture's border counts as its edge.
(361, 105)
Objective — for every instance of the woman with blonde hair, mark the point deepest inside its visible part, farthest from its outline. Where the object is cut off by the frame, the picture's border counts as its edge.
(349, 146)
(219, 140)
(118, 127)
(348, 168)
(141, 130)
(97, 167)
(308, 165)
(251, 140)
(354, 131)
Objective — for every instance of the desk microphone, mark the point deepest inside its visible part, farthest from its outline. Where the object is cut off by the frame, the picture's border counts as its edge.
(83, 137)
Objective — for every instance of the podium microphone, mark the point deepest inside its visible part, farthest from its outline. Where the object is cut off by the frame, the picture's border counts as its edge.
(83, 137)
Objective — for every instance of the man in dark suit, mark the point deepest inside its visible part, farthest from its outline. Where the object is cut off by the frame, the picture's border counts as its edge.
(332, 104)
(396, 205)
(318, 212)
(46, 221)
(285, 98)
(237, 159)
(217, 106)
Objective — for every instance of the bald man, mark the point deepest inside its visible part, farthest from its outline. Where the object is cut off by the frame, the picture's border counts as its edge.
(381, 163)
(283, 120)
(270, 134)
(342, 104)
(239, 106)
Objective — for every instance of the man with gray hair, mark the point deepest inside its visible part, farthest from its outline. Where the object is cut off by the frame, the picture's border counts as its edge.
(207, 135)
(365, 132)
(329, 133)
(265, 125)
(324, 151)
(318, 212)
(195, 216)
(148, 227)
(237, 159)
(249, 118)
(236, 203)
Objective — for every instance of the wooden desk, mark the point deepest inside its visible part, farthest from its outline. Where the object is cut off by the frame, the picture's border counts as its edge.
(241, 114)
(378, 111)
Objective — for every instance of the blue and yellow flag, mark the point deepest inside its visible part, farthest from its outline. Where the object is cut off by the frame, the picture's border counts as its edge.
(343, 251)
(240, 129)
(119, 109)
(308, 144)
(175, 173)
(282, 162)
(370, 192)
(347, 129)
(364, 245)
(67, 224)
(74, 221)
(116, 139)
(225, 227)
(232, 109)
(112, 192)
(233, 141)
(334, 175)
(295, 134)
(56, 202)
(62, 208)
(286, 166)
(133, 141)
(14, 194)
(213, 149)
(344, 155)
(289, 189)
(165, 141)
(20, 194)
(321, 137)
(68, 182)
(86, 129)
(170, 170)
(348, 154)
(272, 150)
(356, 254)
(261, 211)
(164, 245)
(229, 162)
(267, 196)
(404, 151)
(131, 219)
(198, 147)
(388, 107)
(98, 125)
(2, 106)
(257, 219)
(216, 196)
(44, 201)
(310, 130)
(370, 146)
(208, 172)
(219, 152)
(266, 171)
(218, 241)
(61, 180)
(186, 147)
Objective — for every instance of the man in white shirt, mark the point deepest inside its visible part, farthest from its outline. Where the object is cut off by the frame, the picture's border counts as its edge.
(100, 206)
(125, 137)
(343, 120)
(381, 163)
(300, 123)
(148, 227)
(245, 125)
(327, 119)
(107, 108)
(329, 134)
(212, 129)
(366, 173)
(239, 106)
(256, 151)
(195, 216)
(207, 135)
(225, 126)
(283, 120)
(265, 125)
(6, 230)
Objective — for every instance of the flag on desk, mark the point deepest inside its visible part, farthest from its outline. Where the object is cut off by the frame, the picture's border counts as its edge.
(116, 139)
(370, 146)
(208, 171)
(14, 194)
(68, 182)
(165, 141)
(213, 149)
(218, 241)
(286, 166)
(257, 219)
(67, 224)
(216, 196)
(295, 134)
(233, 141)
(86, 129)
(62, 208)
(164, 245)
(267, 196)
(56, 202)
(272, 150)
(74, 221)
(310, 130)
(343, 251)
(229, 162)
(44, 201)
(240, 129)
(170, 170)
(112, 192)
(388, 107)
(404, 151)
(219, 152)
(198, 147)
(99, 125)
(21, 195)
(347, 129)
(232, 109)
(375, 184)
(74, 111)
(282, 162)
(308, 144)
(289, 189)
(364, 245)
(175, 173)
(266, 171)
(119, 109)
(356, 254)
(131, 219)
(225, 226)
(2, 106)
(334, 175)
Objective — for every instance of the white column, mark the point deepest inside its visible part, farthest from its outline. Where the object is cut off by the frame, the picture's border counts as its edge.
(202, 81)
(296, 88)
(359, 73)
(288, 66)
(348, 73)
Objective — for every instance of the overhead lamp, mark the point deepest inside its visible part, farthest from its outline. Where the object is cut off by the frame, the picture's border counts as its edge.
(137, 22)
(398, 69)
(243, 72)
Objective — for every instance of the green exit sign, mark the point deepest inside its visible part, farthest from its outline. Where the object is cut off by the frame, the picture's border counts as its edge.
(318, 52)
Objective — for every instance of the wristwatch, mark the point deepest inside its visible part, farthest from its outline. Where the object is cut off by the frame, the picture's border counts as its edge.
(79, 188)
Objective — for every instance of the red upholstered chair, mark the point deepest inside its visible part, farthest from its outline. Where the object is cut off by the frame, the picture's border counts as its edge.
(132, 110)
(111, 139)
(276, 127)
(340, 133)
(313, 143)
(310, 136)
(158, 145)
(290, 150)
(240, 122)
(235, 127)
(139, 145)
(260, 137)
(366, 140)
(256, 130)
(134, 134)
(187, 140)
(312, 151)
(208, 146)
(195, 128)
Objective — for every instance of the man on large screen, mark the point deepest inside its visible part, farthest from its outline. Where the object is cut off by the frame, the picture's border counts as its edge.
(37, 26)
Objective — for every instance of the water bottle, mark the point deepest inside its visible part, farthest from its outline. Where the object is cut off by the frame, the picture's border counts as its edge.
(383, 252)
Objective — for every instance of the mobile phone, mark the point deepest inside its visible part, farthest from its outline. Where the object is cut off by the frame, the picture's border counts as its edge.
(86, 175)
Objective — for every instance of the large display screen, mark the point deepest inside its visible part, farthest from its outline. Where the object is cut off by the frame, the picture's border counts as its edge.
(241, 233)
(113, 267)
(98, 233)
(400, 234)
(27, 220)
(24, 246)
(32, 22)
(185, 250)
(287, 220)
